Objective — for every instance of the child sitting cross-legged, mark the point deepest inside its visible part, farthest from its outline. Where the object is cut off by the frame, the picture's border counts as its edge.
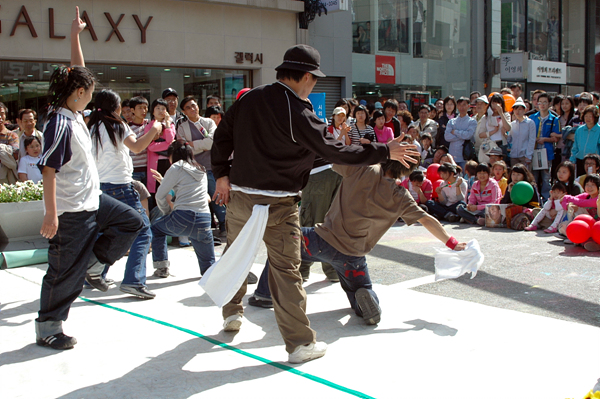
(559, 190)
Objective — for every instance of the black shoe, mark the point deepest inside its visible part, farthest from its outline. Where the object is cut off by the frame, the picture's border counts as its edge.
(260, 303)
(216, 241)
(97, 282)
(58, 341)
(252, 279)
(109, 282)
(142, 292)
(371, 312)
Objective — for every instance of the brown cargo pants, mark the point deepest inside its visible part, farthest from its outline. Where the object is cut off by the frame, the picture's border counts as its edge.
(283, 239)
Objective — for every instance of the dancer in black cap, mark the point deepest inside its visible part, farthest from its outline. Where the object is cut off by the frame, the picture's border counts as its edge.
(275, 135)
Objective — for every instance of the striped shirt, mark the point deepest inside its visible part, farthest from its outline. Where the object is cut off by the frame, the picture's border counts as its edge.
(68, 149)
(356, 134)
(139, 160)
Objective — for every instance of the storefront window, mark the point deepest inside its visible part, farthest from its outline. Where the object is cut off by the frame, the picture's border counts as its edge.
(542, 29)
(361, 27)
(573, 29)
(513, 26)
(25, 84)
(393, 26)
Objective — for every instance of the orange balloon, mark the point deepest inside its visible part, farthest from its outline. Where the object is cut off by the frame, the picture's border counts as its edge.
(491, 94)
(509, 101)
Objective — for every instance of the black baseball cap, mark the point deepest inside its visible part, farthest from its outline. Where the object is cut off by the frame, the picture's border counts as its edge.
(169, 92)
(302, 58)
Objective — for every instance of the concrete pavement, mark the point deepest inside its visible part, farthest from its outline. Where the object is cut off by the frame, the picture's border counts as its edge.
(426, 345)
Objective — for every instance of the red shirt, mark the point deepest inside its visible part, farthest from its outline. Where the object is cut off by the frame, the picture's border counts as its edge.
(390, 124)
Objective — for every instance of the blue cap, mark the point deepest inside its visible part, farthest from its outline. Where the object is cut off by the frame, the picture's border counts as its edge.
(378, 105)
(363, 102)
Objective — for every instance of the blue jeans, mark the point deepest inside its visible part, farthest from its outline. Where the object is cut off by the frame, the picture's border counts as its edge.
(352, 270)
(70, 250)
(542, 178)
(218, 210)
(468, 216)
(195, 226)
(139, 176)
(440, 210)
(135, 268)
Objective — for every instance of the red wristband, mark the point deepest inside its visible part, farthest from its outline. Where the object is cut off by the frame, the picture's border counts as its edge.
(452, 243)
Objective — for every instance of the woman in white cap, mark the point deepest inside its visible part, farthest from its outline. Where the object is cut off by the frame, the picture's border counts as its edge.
(521, 136)
(338, 126)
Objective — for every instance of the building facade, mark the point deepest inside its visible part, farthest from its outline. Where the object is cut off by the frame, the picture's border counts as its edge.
(142, 47)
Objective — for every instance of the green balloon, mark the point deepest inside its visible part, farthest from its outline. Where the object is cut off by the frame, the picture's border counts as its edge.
(521, 193)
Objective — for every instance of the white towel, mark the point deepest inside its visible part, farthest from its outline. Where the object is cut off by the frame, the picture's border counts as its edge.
(453, 264)
(225, 277)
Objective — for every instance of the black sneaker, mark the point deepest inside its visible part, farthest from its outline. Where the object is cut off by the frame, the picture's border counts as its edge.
(97, 282)
(58, 341)
(109, 282)
(371, 312)
(260, 303)
(216, 241)
(252, 279)
(142, 292)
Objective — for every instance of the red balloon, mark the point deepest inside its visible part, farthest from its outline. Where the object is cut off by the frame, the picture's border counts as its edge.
(435, 185)
(589, 219)
(578, 231)
(596, 232)
(432, 172)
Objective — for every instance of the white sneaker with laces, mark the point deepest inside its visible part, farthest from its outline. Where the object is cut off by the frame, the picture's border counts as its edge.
(305, 353)
(232, 323)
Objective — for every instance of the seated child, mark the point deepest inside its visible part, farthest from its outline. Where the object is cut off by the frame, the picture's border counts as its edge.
(518, 173)
(485, 191)
(28, 169)
(427, 150)
(419, 187)
(559, 190)
(499, 172)
(591, 164)
(582, 204)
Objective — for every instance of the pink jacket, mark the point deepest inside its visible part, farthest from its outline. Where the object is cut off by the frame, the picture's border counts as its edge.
(153, 157)
(385, 135)
(427, 188)
(582, 200)
(491, 194)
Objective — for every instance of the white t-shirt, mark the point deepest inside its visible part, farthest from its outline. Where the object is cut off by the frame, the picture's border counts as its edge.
(68, 149)
(114, 163)
(28, 165)
(450, 192)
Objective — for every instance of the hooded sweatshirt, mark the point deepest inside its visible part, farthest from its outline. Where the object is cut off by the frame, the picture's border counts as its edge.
(191, 189)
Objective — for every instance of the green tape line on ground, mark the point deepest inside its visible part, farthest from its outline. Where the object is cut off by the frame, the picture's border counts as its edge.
(26, 257)
(239, 351)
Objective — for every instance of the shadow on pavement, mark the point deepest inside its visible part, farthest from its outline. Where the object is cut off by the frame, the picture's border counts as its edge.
(573, 308)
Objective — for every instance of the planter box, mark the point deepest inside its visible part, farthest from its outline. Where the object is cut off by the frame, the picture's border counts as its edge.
(21, 220)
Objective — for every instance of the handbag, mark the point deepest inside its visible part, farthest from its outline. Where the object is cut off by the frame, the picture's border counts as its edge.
(469, 151)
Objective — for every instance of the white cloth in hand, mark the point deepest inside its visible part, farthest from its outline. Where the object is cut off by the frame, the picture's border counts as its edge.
(453, 264)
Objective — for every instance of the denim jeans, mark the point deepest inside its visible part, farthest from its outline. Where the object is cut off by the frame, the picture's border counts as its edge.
(140, 176)
(468, 216)
(135, 268)
(542, 178)
(440, 210)
(195, 226)
(218, 210)
(352, 270)
(70, 250)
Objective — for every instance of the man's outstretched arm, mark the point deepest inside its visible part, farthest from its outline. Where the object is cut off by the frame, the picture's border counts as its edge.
(439, 232)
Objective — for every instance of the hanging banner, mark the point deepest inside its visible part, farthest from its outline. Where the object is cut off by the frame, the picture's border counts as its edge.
(318, 102)
(385, 69)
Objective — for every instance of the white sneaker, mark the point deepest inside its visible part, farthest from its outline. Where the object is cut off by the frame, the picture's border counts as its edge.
(233, 323)
(305, 353)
